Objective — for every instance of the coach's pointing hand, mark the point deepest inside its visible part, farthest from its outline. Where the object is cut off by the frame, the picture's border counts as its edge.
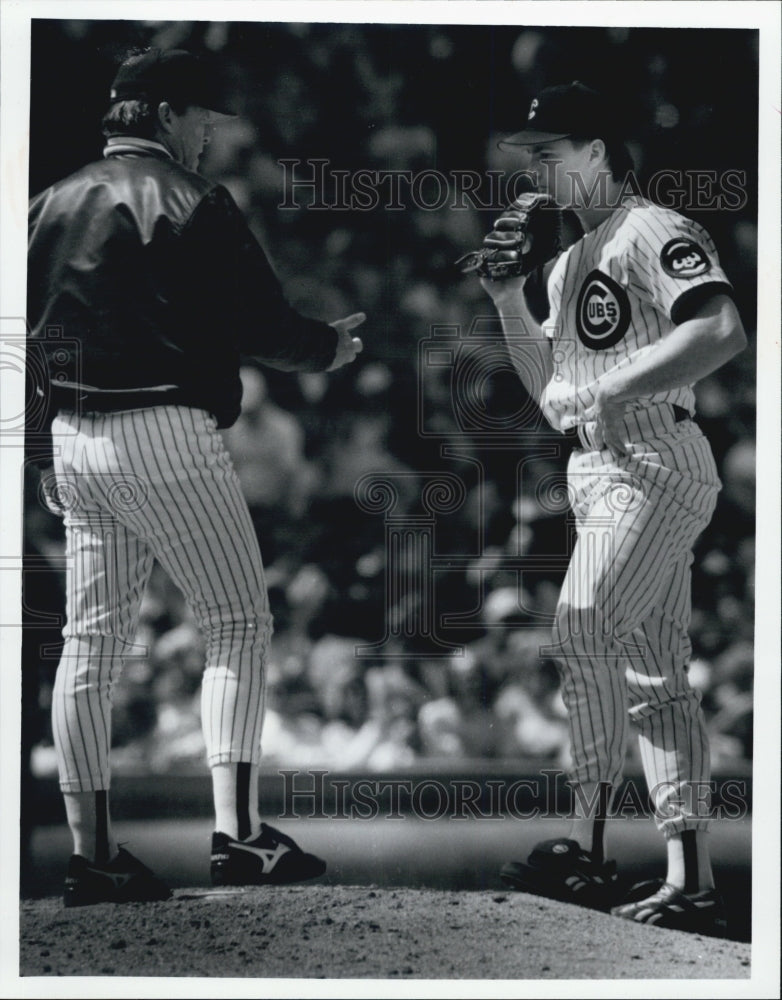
(348, 346)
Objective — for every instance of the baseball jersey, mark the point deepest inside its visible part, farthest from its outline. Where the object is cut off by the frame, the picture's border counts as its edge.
(616, 293)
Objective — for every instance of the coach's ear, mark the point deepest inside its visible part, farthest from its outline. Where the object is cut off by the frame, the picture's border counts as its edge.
(165, 117)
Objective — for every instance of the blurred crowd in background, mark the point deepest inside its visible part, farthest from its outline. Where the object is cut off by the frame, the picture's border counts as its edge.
(412, 98)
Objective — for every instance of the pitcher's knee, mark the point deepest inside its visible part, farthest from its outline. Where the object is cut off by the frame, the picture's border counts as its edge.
(579, 631)
(238, 632)
(660, 698)
(90, 661)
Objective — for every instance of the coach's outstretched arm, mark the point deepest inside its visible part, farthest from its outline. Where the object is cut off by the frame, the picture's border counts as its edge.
(234, 290)
(528, 346)
(691, 351)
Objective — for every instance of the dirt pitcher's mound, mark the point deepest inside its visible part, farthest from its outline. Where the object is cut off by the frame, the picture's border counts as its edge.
(344, 932)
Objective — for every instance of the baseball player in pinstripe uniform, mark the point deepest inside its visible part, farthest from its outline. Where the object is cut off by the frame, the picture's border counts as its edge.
(152, 272)
(639, 310)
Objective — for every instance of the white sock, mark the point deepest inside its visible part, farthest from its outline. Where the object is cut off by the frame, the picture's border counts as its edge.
(235, 791)
(90, 825)
(689, 862)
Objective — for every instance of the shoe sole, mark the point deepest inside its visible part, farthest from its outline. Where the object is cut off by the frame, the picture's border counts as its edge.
(223, 877)
(525, 879)
(717, 929)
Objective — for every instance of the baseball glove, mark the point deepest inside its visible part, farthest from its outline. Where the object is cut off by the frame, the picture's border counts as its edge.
(528, 234)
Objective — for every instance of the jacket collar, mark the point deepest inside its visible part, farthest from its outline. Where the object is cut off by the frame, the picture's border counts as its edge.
(121, 144)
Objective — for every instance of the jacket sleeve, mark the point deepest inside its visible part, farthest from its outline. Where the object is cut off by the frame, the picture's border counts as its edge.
(231, 280)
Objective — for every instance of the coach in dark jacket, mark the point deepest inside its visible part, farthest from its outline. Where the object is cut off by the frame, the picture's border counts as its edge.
(145, 286)
(153, 267)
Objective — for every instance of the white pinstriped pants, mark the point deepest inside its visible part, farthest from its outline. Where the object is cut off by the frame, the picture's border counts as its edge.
(621, 631)
(135, 486)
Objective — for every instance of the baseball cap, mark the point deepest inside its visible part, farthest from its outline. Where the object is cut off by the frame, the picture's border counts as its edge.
(564, 110)
(173, 75)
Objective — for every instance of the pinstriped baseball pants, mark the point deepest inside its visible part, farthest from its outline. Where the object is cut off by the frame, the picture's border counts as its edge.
(621, 630)
(132, 487)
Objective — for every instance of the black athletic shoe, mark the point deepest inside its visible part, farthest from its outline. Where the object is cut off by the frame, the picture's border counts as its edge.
(663, 905)
(270, 859)
(123, 880)
(560, 869)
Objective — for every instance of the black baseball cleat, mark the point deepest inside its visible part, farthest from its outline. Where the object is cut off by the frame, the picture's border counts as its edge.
(662, 904)
(270, 859)
(123, 880)
(561, 870)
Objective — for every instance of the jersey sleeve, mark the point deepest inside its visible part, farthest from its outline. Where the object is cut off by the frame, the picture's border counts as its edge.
(232, 283)
(671, 262)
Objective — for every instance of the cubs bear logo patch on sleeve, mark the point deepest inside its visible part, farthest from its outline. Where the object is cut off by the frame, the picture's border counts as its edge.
(602, 312)
(682, 258)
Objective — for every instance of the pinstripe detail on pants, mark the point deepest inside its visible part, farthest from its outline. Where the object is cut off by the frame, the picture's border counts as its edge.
(135, 486)
(621, 631)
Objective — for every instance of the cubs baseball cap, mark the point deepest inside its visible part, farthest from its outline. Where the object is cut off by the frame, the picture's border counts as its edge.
(173, 75)
(564, 110)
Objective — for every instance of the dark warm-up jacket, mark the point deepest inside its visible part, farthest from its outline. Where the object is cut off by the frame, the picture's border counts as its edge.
(146, 286)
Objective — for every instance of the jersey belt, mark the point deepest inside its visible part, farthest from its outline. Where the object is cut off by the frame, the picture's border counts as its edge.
(84, 400)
